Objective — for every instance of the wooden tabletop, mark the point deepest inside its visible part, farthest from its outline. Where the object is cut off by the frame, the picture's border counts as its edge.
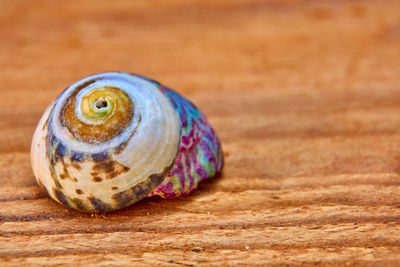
(304, 95)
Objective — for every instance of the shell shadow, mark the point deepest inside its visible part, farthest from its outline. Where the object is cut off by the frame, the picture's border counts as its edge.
(160, 206)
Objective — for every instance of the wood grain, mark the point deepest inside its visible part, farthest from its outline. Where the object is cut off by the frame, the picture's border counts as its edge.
(305, 96)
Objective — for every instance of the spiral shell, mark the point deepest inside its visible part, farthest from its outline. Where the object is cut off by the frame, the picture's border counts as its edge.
(112, 139)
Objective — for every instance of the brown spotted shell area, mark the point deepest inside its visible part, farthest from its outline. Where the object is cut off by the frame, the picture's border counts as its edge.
(106, 142)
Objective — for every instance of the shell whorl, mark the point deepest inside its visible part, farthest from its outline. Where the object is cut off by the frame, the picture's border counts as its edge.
(97, 115)
(106, 142)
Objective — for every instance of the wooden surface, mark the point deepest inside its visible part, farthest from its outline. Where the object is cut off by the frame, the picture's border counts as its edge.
(305, 96)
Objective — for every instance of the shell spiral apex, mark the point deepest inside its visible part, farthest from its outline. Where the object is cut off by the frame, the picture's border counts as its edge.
(112, 139)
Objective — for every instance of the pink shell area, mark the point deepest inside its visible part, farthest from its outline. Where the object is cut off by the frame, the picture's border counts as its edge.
(200, 154)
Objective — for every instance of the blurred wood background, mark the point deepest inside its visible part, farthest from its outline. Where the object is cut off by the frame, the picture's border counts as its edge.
(305, 96)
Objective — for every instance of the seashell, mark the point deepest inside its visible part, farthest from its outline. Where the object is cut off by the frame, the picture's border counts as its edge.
(112, 139)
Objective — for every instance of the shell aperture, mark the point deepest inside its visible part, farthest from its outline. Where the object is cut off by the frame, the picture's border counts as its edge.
(112, 139)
